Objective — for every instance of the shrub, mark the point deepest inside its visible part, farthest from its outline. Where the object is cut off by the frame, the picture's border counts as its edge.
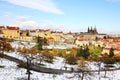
(71, 60)
(109, 60)
(48, 57)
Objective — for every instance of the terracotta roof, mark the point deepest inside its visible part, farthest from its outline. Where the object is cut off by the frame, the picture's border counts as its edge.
(70, 32)
(12, 28)
(60, 32)
(42, 30)
(2, 27)
(1, 32)
(32, 30)
(24, 30)
(81, 39)
(118, 47)
(47, 30)
(107, 48)
(50, 38)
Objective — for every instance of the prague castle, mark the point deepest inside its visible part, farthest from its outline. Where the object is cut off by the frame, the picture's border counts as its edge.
(92, 31)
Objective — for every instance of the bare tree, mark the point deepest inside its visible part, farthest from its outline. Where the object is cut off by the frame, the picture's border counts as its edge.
(28, 66)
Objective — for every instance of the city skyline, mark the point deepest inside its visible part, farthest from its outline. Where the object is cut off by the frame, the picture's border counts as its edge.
(69, 15)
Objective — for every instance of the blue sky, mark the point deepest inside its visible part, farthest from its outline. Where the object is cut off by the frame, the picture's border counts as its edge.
(66, 15)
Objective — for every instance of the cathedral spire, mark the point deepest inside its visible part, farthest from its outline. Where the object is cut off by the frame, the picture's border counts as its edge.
(91, 29)
(95, 30)
(88, 30)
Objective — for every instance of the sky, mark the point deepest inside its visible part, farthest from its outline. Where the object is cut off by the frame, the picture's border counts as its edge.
(62, 15)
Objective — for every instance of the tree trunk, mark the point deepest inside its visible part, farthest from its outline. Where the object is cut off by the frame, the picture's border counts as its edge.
(99, 65)
(28, 68)
(29, 76)
(105, 73)
(82, 76)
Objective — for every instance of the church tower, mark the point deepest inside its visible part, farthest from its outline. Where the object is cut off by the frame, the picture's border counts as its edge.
(92, 30)
(95, 30)
(88, 30)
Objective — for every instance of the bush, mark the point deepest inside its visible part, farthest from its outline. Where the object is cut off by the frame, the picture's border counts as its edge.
(71, 60)
(48, 57)
(109, 60)
(2, 66)
(1, 55)
(117, 58)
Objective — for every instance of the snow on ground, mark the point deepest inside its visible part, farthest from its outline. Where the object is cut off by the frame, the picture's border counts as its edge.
(16, 55)
(17, 44)
(12, 72)
(60, 46)
(59, 64)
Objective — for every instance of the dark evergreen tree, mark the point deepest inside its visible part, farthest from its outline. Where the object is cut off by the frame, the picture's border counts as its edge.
(79, 52)
(45, 41)
(39, 46)
(111, 52)
(104, 37)
(86, 52)
(83, 52)
(27, 34)
(96, 38)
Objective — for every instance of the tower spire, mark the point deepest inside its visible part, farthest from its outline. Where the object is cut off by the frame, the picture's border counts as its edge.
(91, 29)
(95, 30)
(88, 30)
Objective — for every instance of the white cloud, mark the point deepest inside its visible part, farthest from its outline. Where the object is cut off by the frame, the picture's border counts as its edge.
(23, 23)
(26, 24)
(44, 5)
(20, 18)
(52, 26)
(33, 25)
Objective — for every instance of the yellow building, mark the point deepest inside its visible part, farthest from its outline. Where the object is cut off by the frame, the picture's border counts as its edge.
(107, 50)
(1, 31)
(26, 38)
(25, 35)
(57, 36)
(11, 32)
(43, 33)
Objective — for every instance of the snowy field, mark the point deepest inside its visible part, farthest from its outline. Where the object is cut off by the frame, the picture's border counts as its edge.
(10, 71)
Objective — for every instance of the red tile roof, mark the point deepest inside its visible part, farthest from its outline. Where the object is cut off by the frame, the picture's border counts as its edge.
(2, 27)
(81, 39)
(50, 39)
(106, 48)
(42, 30)
(24, 31)
(1, 32)
(12, 28)
(32, 30)
(59, 32)
(70, 32)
